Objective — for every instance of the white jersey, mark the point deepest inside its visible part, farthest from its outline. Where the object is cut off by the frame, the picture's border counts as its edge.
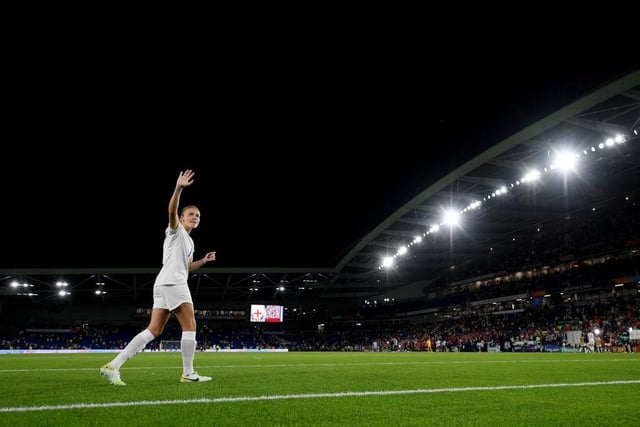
(177, 252)
(591, 338)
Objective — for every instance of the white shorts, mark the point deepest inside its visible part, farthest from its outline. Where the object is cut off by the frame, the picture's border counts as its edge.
(169, 297)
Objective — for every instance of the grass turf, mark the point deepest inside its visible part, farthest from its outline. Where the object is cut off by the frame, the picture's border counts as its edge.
(325, 389)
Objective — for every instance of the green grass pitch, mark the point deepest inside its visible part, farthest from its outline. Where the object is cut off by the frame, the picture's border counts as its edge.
(325, 389)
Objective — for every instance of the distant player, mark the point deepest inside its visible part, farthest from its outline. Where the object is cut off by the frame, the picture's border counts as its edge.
(591, 342)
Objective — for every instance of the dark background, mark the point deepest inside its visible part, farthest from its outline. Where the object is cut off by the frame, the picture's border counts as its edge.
(298, 153)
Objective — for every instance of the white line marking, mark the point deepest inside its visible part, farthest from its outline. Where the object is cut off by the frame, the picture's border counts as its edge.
(293, 365)
(304, 396)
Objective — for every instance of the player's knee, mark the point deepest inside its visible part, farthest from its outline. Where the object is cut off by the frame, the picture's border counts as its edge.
(155, 330)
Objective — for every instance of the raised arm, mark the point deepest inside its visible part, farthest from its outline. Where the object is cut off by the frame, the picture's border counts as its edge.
(185, 179)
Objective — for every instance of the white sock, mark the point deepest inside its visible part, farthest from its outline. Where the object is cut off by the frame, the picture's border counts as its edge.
(138, 343)
(188, 348)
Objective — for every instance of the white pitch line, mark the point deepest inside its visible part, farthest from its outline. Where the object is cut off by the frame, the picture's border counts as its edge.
(330, 365)
(305, 396)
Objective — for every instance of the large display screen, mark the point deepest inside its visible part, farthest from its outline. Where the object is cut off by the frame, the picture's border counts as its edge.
(266, 313)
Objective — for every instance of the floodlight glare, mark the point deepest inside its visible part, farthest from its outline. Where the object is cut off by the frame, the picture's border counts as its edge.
(565, 161)
(451, 218)
(387, 262)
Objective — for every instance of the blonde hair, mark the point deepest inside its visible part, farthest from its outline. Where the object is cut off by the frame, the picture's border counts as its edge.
(182, 211)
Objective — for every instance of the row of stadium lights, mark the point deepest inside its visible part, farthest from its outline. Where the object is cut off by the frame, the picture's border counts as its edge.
(565, 162)
(100, 287)
(24, 286)
(309, 282)
(61, 285)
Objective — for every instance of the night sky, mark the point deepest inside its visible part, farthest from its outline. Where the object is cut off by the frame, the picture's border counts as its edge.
(294, 162)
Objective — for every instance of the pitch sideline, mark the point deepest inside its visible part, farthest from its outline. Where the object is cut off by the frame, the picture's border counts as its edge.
(304, 396)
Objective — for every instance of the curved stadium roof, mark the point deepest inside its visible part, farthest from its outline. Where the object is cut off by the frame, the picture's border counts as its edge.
(607, 177)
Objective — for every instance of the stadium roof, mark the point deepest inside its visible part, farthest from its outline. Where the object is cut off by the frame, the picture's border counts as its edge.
(496, 207)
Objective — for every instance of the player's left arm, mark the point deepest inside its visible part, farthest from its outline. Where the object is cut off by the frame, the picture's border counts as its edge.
(194, 265)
